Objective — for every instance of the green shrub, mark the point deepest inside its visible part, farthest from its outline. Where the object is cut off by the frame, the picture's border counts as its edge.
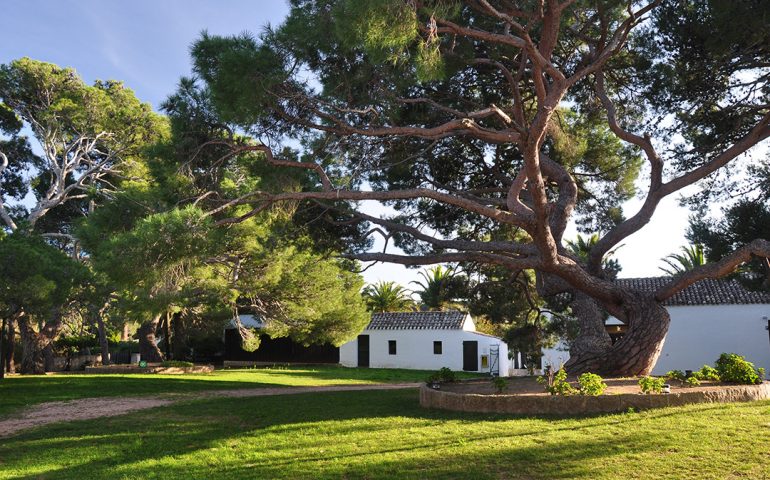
(733, 368)
(676, 375)
(692, 381)
(557, 384)
(176, 364)
(445, 375)
(709, 373)
(500, 384)
(651, 384)
(591, 384)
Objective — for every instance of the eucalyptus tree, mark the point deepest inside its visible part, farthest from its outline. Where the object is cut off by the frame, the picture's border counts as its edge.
(489, 126)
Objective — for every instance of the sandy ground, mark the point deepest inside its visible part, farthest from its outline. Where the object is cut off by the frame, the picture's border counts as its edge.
(88, 408)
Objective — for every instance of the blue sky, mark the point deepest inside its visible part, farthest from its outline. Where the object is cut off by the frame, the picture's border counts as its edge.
(146, 44)
(142, 42)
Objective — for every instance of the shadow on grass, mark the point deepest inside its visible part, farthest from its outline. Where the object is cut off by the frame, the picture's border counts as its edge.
(19, 392)
(351, 434)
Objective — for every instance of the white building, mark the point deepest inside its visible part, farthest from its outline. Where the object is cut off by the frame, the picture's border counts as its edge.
(426, 341)
(707, 319)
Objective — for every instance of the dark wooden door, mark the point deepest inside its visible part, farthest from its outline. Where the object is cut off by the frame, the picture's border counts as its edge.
(471, 356)
(363, 350)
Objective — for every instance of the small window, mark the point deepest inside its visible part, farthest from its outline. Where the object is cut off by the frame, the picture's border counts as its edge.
(391, 347)
(437, 348)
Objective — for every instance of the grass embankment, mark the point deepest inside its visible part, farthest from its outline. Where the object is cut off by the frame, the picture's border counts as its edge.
(386, 434)
(17, 392)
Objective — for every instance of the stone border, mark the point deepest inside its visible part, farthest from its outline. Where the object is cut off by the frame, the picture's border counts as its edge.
(150, 369)
(579, 404)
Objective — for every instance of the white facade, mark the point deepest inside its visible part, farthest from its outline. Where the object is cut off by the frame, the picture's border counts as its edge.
(414, 349)
(699, 334)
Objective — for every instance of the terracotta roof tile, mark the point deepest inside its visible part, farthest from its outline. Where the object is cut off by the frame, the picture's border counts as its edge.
(705, 292)
(449, 320)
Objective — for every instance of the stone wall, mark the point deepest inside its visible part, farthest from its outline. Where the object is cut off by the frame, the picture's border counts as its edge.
(579, 404)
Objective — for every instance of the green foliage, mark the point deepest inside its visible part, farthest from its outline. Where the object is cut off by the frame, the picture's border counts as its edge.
(106, 120)
(443, 375)
(176, 364)
(591, 384)
(581, 248)
(709, 373)
(675, 375)
(734, 368)
(441, 288)
(71, 344)
(556, 383)
(500, 384)
(739, 224)
(386, 28)
(690, 258)
(650, 385)
(387, 297)
(692, 381)
(36, 277)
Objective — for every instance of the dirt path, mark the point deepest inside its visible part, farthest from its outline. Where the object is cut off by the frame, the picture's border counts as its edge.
(89, 408)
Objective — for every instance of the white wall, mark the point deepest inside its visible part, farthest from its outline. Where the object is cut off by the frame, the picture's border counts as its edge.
(699, 334)
(414, 349)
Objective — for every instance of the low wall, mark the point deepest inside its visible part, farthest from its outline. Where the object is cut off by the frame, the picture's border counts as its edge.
(579, 404)
(75, 362)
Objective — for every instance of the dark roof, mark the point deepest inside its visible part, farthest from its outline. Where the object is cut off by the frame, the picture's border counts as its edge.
(705, 292)
(449, 320)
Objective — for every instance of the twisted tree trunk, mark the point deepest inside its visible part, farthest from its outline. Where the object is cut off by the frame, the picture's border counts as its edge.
(37, 347)
(636, 353)
(148, 347)
(592, 338)
(32, 360)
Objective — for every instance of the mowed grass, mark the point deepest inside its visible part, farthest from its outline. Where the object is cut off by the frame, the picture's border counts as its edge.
(17, 392)
(386, 434)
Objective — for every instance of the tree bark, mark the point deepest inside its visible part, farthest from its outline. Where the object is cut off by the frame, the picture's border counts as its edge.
(636, 353)
(10, 363)
(37, 347)
(147, 346)
(179, 332)
(592, 336)
(2, 348)
(167, 335)
(102, 329)
(32, 361)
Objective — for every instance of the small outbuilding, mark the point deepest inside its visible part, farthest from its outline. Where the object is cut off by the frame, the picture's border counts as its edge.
(426, 341)
(707, 318)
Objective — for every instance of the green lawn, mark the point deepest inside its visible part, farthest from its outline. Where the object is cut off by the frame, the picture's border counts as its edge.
(17, 392)
(385, 434)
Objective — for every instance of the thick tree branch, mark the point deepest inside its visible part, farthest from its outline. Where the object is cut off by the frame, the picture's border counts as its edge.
(267, 199)
(3, 212)
(725, 266)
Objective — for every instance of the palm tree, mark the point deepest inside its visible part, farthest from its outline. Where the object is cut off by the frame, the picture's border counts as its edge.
(690, 258)
(387, 297)
(441, 288)
(581, 248)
